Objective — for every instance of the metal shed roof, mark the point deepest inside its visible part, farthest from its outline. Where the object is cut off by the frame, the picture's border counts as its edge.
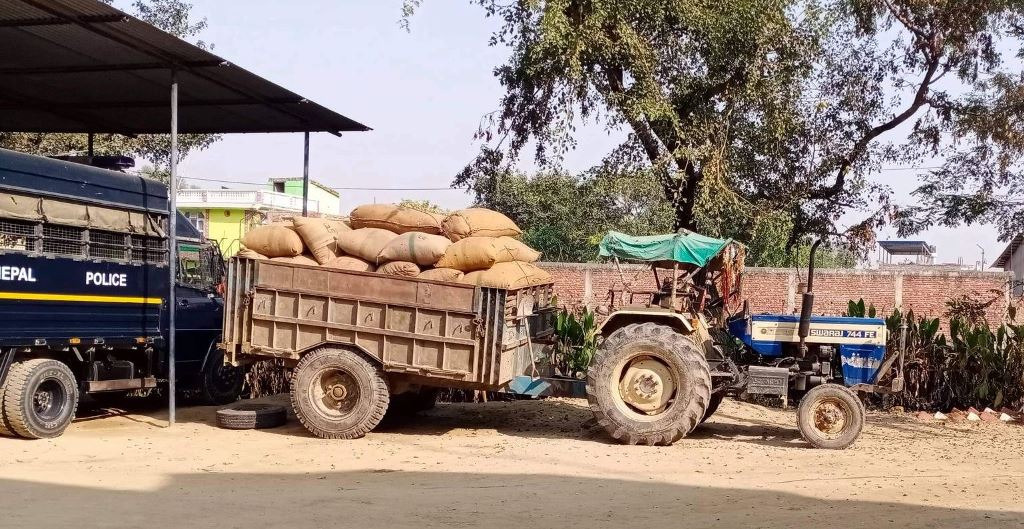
(84, 66)
(907, 247)
(1004, 258)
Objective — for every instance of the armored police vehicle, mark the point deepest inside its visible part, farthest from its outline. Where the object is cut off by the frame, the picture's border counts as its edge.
(84, 292)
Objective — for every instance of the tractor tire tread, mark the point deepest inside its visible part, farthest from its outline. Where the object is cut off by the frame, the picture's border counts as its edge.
(379, 406)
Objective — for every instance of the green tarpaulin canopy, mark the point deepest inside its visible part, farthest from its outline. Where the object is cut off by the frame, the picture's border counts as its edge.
(686, 247)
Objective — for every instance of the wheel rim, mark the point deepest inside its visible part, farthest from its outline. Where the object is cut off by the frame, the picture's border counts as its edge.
(334, 393)
(49, 400)
(225, 377)
(830, 417)
(644, 386)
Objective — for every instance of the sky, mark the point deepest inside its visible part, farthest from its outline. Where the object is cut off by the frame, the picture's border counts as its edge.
(423, 92)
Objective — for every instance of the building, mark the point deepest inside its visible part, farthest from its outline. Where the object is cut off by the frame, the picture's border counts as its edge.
(224, 215)
(1012, 260)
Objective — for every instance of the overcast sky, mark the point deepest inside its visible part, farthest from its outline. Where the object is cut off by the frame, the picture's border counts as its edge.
(423, 92)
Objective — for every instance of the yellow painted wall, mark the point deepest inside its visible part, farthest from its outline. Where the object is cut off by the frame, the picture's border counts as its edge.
(226, 226)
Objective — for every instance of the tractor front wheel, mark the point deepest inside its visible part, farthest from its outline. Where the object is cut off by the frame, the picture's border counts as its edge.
(830, 416)
(648, 384)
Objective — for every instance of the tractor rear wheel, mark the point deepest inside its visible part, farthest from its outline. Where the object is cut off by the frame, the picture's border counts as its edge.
(648, 384)
(830, 416)
(713, 404)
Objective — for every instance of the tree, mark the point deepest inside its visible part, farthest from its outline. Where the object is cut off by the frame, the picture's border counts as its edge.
(746, 110)
(172, 16)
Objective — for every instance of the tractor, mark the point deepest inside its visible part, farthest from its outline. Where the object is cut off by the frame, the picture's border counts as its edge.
(665, 365)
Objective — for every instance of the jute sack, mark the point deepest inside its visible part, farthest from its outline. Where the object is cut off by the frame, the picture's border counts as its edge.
(364, 243)
(467, 255)
(347, 262)
(273, 241)
(319, 236)
(510, 249)
(395, 218)
(420, 248)
(246, 253)
(399, 268)
(479, 222)
(449, 275)
(297, 259)
(509, 276)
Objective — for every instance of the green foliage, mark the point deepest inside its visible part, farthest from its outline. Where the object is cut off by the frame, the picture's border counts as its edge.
(751, 111)
(564, 216)
(173, 17)
(970, 365)
(423, 205)
(576, 341)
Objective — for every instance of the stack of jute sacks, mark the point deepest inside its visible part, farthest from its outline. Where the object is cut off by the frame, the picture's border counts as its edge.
(475, 246)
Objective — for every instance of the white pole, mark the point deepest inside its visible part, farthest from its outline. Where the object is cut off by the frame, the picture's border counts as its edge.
(305, 176)
(172, 253)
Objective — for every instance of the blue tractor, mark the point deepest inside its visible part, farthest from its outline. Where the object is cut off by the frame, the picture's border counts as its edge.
(666, 364)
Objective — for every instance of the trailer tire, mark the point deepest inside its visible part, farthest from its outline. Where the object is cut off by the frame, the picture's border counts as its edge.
(40, 398)
(338, 393)
(248, 416)
(657, 361)
(830, 416)
(713, 403)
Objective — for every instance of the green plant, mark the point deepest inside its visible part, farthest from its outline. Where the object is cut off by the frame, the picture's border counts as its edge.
(576, 341)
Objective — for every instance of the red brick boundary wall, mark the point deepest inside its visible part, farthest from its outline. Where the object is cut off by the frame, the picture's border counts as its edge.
(778, 290)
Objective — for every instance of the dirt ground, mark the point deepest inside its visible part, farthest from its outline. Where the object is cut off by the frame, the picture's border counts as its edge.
(510, 464)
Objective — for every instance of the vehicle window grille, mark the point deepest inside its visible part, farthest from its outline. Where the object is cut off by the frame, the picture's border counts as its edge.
(107, 245)
(63, 240)
(17, 235)
(148, 249)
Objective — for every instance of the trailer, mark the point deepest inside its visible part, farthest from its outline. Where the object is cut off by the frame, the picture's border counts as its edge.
(356, 342)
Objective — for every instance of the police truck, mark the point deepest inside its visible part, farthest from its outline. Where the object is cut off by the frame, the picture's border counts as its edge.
(84, 291)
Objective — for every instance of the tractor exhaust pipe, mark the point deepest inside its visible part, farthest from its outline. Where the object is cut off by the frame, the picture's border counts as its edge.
(807, 304)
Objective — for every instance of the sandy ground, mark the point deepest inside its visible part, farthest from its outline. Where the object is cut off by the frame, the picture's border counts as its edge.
(510, 464)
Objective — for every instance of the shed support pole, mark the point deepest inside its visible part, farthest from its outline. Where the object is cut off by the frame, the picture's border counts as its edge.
(305, 176)
(172, 252)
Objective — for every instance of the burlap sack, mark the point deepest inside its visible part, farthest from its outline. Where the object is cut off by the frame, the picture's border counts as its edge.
(449, 275)
(399, 268)
(509, 276)
(319, 236)
(337, 225)
(246, 253)
(297, 259)
(395, 218)
(347, 262)
(273, 241)
(420, 248)
(510, 249)
(364, 243)
(470, 254)
(479, 222)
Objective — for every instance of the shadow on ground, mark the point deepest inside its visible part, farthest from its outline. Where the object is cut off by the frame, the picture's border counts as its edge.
(396, 499)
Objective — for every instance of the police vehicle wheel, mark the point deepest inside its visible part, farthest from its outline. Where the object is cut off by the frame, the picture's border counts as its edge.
(713, 403)
(648, 384)
(221, 383)
(830, 416)
(339, 394)
(40, 398)
(5, 427)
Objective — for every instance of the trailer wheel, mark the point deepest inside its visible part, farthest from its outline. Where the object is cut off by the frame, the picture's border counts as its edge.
(830, 416)
(648, 384)
(713, 403)
(40, 398)
(338, 394)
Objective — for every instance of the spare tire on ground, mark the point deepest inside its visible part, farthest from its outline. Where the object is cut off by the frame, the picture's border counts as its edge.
(251, 415)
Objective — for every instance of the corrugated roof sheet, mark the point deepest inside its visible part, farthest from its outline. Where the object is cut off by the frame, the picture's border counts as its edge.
(84, 66)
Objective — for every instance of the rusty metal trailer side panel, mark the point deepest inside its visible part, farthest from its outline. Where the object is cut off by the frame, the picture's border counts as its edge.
(446, 331)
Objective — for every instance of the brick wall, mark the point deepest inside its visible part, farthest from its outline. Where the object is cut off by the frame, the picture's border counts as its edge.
(778, 289)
